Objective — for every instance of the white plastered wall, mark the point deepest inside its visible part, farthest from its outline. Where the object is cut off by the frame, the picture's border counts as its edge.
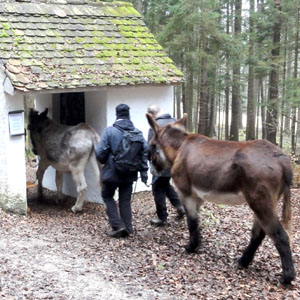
(100, 113)
(138, 99)
(12, 156)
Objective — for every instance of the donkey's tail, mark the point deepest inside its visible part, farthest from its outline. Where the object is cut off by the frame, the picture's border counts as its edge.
(287, 211)
(287, 205)
(96, 166)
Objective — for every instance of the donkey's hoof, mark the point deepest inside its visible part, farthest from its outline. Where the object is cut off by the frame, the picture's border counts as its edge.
(286, 280)
(76, 209)
(191, 248)
(242, 264)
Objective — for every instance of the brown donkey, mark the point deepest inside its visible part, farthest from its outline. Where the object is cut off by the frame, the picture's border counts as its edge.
(225, 172)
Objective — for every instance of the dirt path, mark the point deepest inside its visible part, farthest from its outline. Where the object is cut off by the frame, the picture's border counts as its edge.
(36, 269)
(54, 254)
(51, 255)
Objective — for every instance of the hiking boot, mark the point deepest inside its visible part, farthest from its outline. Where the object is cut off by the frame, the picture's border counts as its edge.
(158, 222)
(180, 212)
(118, 233)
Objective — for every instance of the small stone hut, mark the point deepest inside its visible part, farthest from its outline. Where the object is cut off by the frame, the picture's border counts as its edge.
(79, 58)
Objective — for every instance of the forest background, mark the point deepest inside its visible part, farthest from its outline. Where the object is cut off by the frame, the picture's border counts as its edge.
(240, 62)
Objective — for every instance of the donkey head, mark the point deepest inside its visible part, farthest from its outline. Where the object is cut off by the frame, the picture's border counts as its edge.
(37, 122)
(165, 142)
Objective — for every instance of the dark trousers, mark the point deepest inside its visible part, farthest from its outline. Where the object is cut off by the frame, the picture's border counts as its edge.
(123, 217)
(161, 188)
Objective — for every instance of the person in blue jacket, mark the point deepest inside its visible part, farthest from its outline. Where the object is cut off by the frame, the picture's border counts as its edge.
(161, 186)
(112, 179)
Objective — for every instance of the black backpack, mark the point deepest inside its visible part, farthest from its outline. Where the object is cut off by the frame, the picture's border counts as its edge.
(128, 157)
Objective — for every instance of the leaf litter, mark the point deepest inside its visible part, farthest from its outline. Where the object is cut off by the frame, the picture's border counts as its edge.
(54, 254)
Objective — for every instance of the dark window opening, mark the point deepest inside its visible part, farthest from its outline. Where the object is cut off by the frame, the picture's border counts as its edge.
(72, 108)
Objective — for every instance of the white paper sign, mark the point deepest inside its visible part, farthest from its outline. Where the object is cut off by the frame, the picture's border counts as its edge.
(16, 122)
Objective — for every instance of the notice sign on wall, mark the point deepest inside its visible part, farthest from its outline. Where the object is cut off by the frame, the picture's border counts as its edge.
(16, 122)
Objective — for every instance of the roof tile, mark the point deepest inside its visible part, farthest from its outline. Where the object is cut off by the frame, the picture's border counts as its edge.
(86, 43)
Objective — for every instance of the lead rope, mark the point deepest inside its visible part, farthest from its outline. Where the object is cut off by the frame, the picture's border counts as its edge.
(134, 190)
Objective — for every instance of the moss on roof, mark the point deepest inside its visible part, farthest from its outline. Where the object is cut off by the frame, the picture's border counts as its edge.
(84, 43)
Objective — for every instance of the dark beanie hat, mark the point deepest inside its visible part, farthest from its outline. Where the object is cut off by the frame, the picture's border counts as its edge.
(122, 111)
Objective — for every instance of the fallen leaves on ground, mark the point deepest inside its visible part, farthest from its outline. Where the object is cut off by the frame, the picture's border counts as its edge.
(54, 254)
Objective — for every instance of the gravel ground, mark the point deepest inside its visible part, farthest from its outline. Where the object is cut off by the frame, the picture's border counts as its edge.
(54, 254)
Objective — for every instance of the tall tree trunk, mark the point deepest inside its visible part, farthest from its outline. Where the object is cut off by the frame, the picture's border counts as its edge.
(263, 108)
(212, 117)
(220, 121)
(293, 130)
(184, 105)
(283, 100)
(287, 120)
(273, 81)
(289, 74)
(189, 101)
(257, 110)
(197, 109)
(183, 91)
(203, 90)
(227, 78)
(261, 76)
(211, 131)
(180, 93)
(234, 129)
(295, 76)
(189, 93)
(250, 130)
(177, 110)
(298, 130)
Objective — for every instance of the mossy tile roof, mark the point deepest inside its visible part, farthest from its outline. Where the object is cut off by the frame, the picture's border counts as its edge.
(63, 44)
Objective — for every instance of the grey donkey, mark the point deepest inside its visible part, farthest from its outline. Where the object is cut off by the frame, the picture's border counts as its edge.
(66, 149)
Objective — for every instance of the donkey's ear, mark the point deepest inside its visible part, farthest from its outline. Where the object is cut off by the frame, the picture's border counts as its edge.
(152, 123)
(182, 120)
(44, 113)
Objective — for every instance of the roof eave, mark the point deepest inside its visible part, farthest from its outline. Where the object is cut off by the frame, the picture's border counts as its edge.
(89, 89)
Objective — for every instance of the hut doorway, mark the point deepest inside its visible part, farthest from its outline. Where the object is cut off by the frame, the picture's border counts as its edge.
(72, 108)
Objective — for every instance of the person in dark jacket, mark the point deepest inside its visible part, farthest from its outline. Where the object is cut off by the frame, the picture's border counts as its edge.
(161, 187)
(120, 221)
